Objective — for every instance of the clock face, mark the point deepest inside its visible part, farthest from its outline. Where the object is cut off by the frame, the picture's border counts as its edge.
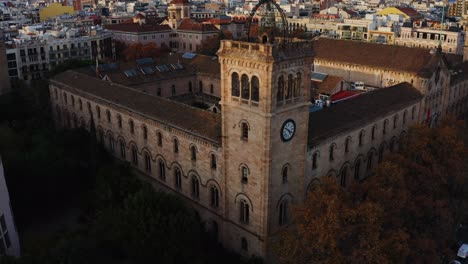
(288, 129)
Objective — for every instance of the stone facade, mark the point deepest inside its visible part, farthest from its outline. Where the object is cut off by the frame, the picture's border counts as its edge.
(238, 170)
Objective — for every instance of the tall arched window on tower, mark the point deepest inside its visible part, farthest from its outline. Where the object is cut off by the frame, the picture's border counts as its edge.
(343, 176)
(132, 126)
(147, 162)
(193, 153)
(244, 212)
(245, 87)
(195, 187)
(122, 148)
(244, 174)
(213, 161)
(244, 131)
(178, 178)
(284, 174)
(162, 170)
(214, 195)
(297, 86)
(176, 145)
(280, 94)
(134, 155)
(283, 213)
(235, 91)
(255, 88)
(289, 90)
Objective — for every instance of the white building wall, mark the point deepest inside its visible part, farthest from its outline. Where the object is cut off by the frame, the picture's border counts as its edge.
(8, 234)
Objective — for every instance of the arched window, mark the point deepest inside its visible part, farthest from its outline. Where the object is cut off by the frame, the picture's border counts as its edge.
(284, 174)
(122, 148)
(361, 138)
(98, 111)
(244, 131)
(255, 88)
(384, 131)
(283, 213)
(381, 153)
(347, 142)
(108, 113)
(119, 121)
(244, 244)
(178, 178)
(147, 162)
(193, 153)
(395, 120)
(132, 126)
(213, 161)
(315, 160)
(195, 187)
(235, 91)
(145, 132)
(73, 101)
(80, 104)
(404, 117)
(280, 94)
(134, 155)
(244, 174)
(332, 149)
(288, 94)
(65, 98)
(357, 169)
(111, 143)
(413, 112)
(373, 132)
(173, 90)
(343, 175)
(297, 85)
(244, 212)
(211, 89)
(159, 138)
(176, 145)
(190, 89)
(162, 170)
(370, 157)
(214, 194)
(245, 87)
(200, 86)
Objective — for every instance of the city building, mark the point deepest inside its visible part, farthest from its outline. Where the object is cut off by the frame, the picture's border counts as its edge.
(141, 33)
(9, 240)
(4, 67)
(32, 58)
(54, 10)
(243, 168)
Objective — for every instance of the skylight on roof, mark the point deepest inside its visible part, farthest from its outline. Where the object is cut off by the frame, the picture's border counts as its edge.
(189, 55)
(144, 61)
(177, 66)
(147, 70)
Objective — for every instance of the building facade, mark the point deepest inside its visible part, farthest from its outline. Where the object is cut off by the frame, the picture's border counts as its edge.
(4, 67)
(242, 169)
(9, 240)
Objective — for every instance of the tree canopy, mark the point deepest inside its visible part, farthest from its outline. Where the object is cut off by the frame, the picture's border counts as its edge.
(406, 212)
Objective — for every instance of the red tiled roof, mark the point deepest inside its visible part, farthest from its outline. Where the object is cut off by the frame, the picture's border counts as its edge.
(193, 25)
(135, 27)
(391, 57)
(179, 2)
(198, 122)
(343, 95)
(409, 12)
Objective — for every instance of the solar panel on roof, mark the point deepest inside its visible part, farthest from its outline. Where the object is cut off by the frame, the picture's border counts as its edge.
(143, 61)
(131, 73)
(147, 70)
(189, 55)
(177, 66)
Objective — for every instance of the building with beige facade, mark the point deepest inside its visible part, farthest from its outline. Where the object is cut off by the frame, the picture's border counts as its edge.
(242, 168)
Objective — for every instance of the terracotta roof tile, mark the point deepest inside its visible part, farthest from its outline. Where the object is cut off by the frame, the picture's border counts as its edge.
(136, 27)
(180, 116)
(390, 57)
(193, 25)
(361, 110)
(328, 85)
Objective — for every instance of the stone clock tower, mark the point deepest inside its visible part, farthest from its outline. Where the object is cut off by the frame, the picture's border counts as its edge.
(265, 103)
